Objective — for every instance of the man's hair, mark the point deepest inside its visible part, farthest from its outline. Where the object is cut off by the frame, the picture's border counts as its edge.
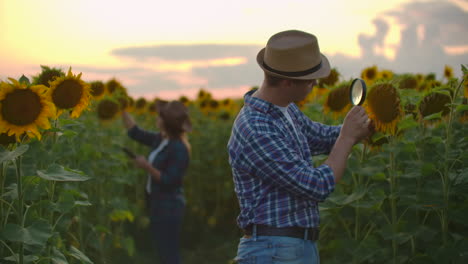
(275, 80)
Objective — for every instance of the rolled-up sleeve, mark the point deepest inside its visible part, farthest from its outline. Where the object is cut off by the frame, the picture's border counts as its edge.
(321, 138)
(272, 159)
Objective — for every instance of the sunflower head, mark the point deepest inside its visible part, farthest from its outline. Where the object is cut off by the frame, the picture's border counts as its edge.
(47, 75)
(430, 77)
(123, 102)
(97, 89)
(408, 81)
(370, 74)
(70, 92)
(330, 80)
(386, 74)
(434, 102)
(24, 109)
(140, 103)
(113, 85)
(337, 102)
(184, 100)
(448, 72)
(383, 107)
(107, 109)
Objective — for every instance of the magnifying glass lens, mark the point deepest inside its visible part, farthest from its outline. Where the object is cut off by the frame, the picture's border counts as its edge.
(357, 92)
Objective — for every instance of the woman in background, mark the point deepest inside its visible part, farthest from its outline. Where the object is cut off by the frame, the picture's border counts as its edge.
(166, 166)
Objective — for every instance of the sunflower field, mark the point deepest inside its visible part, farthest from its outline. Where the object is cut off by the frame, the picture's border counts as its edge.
(68, 194)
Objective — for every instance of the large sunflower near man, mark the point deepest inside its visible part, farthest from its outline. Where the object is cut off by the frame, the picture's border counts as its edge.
(383, 107)
(24, 109)
(70, 93)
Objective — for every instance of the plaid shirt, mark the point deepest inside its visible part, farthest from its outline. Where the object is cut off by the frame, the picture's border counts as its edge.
(275, 181)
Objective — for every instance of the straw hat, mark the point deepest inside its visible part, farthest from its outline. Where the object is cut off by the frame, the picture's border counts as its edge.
(293, 54)
(175, 117)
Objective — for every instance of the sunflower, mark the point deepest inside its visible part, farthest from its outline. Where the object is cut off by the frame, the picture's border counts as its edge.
(69, 92)
(47, 75)
(448, 72)
(330, 80)
(107, 109)
(386, 74)
(383, 107)
(184, 100)
(408, 81)
(369, 74)
(113, 85)
(140, 104)
(24, 109)
(97, 89)
(337, 101)
(123, 102)
(434, 102)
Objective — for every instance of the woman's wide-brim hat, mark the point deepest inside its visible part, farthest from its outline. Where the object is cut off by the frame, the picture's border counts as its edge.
(175, 116)
(293, 54)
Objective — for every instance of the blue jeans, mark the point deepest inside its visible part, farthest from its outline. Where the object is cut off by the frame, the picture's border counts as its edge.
(276, 250)
(166, 227)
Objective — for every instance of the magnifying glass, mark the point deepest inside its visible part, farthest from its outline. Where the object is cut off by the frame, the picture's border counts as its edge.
(357, 91)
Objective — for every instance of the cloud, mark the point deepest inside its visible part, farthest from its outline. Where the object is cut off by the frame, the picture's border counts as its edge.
(429, 30)
(187, 52)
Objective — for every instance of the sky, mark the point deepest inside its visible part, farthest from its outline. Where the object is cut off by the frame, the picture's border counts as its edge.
(167, 49)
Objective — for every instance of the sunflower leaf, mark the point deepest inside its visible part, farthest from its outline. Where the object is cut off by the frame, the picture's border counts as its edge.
(74, 252)
(58, 173)
(433, 116)
(462, 108)
(407, 123)
(58, 257)
(464, 69)
(11, 155)
(36, 234)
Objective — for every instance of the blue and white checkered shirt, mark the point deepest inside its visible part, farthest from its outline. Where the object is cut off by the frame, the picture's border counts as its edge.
(275, 181)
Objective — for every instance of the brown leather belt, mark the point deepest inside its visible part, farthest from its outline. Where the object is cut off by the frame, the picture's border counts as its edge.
(296, 232)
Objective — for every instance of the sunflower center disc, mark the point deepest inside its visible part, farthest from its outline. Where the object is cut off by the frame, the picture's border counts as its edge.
(21, 107)
(67, 94)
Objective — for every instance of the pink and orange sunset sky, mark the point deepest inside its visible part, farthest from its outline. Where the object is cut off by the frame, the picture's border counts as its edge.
(173, 48)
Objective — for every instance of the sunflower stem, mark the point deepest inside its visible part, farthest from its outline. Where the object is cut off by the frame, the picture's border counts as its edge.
(393, 206)
(446, 179)
(20, 205)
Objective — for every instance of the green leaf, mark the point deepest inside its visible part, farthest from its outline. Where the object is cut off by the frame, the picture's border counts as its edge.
(26, 259)
(56, 172)
(434, 116)
(74, 252)
(36, 234)
(347, 199)
(58, 257)
(462, 108)
(69, 133)
(407, 123)
(464, 69)
(11, 155)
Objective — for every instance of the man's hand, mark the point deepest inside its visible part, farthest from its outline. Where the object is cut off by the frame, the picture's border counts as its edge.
(357, 125)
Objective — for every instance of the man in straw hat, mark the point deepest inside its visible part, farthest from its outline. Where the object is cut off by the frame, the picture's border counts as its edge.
(271, 148)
